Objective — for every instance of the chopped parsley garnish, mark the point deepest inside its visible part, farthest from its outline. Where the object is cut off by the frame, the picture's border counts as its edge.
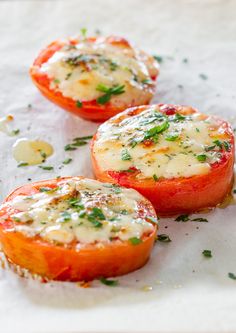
(67, 161)
(77, 142)
(135, 240)
(109, 92)
(163, 238)
(182, 218)
(46, 167)
(43, 154)
(234, 191)
(110, 283)
(178, 117)
(83, 32)
(96, 216)
(223, 144)
(201, 157)
(79, 104)
(56, 81)
(113, 66)
(116, 188)
(232, 276)
(158, 58)
(207, 253)
(153, 132)
(185, 218)
(199, 219)
(48, 189)
(203, 76)
(15, 132)
(76, 203)
(66, 216)
(155, 177)
(172, 137)
(22, 164)
(125, 155)
(147, 81)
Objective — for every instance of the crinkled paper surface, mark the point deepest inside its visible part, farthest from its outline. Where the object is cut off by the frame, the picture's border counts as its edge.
(189, 293)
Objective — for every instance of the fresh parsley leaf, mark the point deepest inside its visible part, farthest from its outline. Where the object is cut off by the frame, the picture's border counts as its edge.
(158, 58)
(171, 137)
(66, 216)
(79, 104)
(115, 90)
(232, 276)
(207, 253)
(135, 240)
(163, 238)
(22, 164)
(125, 155)
(110, 283)
(67, 161)
(82, 138)
(201, 157)
(155, 177)
(83, 32)
(203, 76)
(182, 218)
(48, 167)
(15, 132)
(153, 132)
(199, 219)
(48, 189)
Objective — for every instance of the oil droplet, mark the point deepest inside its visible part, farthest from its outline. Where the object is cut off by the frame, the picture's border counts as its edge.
(147, 288)
(4, 124)
(31, 152)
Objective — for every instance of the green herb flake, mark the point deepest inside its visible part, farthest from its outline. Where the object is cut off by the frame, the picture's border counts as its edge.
(207, 253)
(172, 137)
(66, 216)
(67, 161)
(234, 191)
(163, 238)
(110, 283)
(83, 32)
(158, 58)
(201, 157)
(22, 164)
(232, 276)
(48, 189)
(203, 76)
(79, 104)
(125, 155)
(135, 240)
(182, 218)
(46, 167)
(199, 219)
(15, 132)
(155, 177)
(109, 92)
(56, 81)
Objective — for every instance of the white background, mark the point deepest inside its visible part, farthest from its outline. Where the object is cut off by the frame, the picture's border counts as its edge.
(195, 294)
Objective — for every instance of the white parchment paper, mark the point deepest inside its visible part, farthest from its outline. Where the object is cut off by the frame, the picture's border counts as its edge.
(189, 292)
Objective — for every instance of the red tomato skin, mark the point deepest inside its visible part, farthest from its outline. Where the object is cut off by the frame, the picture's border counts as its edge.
(177, 195)
(90, 109)
(54, 262)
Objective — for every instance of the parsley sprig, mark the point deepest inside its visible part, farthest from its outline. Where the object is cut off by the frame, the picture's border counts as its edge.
(109, 92)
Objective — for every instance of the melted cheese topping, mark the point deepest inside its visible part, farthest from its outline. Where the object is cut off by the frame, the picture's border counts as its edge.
(77, 71)
(31, 152)
(159, 145)
(81, 210)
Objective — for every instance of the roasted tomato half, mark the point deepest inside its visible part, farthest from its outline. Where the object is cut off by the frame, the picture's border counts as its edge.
(96, 77)
(77, 229)
(178, 158)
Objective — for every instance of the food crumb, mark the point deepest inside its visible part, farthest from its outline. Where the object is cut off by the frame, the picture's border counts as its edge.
(147, 288)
